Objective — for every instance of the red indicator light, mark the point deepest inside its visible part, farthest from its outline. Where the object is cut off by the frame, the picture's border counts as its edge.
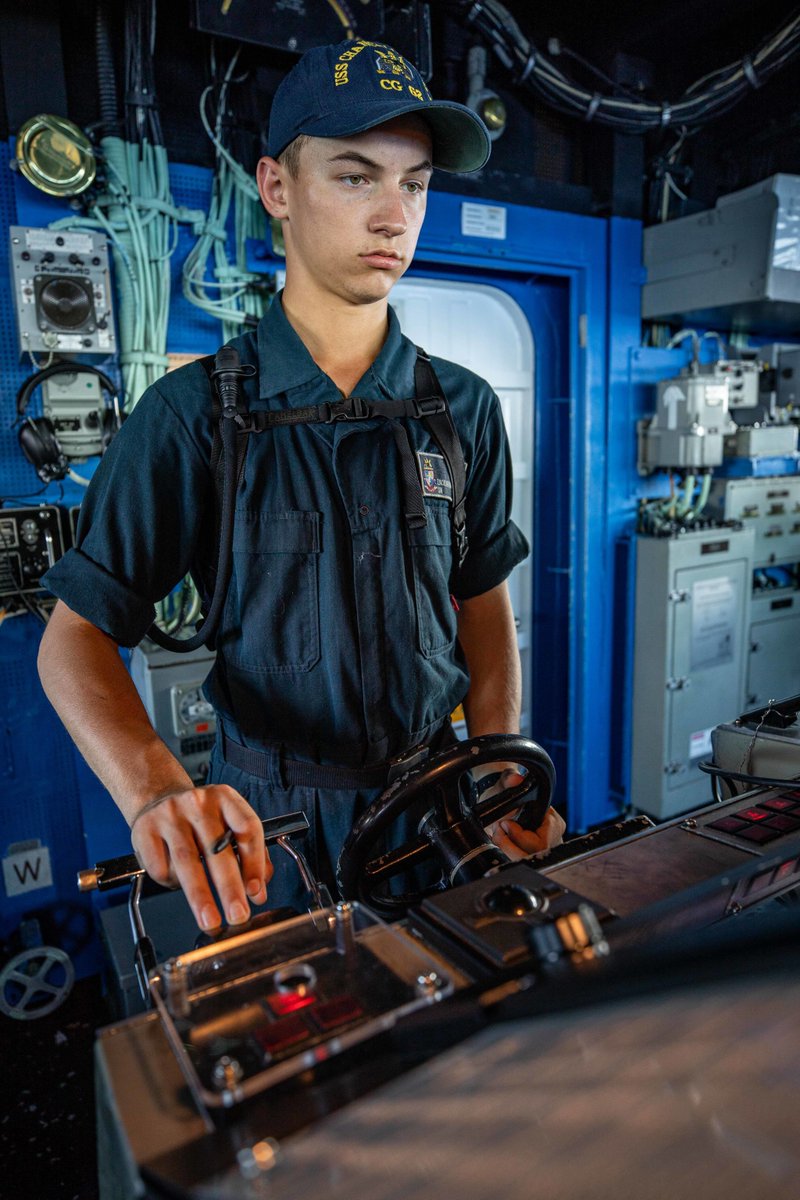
(760, 834)
(786, 822)
(283, 1003)
(779, 804)
(337, 1012)
(787, 868)
(728, 825)
(202, 727)
(752, 814)
(281, 1034)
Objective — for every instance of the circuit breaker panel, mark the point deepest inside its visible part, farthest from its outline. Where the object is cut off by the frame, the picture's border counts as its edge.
(692, 618)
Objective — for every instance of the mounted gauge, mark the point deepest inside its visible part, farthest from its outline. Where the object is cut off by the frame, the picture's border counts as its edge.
(55, 155)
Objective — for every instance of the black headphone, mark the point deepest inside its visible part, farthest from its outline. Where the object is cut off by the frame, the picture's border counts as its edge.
(37, 435)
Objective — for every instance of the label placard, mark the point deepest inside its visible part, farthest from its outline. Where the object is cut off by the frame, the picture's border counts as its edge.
(26, 868)
(483, 220)
(714, 609)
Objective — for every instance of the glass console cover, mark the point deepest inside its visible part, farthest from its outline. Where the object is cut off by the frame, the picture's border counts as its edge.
(246, 1013)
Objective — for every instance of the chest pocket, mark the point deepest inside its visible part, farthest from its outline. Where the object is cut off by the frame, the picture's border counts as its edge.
(272, 615)
(432, 560)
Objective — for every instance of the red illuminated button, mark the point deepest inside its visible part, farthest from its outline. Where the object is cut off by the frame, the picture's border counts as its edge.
(779, 804)
(337, 1012)
(729, 824)
(283, 1003)
(784, 823)
(752, 814)
(760, 834)
(281, 1034)
(795, 795)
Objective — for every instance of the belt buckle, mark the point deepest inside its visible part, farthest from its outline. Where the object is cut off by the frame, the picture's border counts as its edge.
(406, 762)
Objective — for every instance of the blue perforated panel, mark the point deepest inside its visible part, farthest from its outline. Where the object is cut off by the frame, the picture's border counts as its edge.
(46, 793)
(39, 801)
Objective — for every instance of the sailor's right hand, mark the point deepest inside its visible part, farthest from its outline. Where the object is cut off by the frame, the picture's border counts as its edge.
(171, 832)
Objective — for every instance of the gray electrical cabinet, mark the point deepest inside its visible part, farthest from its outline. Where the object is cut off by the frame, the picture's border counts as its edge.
(737, 264)
(690, 660)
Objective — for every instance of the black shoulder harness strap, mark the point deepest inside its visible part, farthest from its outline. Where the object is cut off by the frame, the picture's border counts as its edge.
(428, 405)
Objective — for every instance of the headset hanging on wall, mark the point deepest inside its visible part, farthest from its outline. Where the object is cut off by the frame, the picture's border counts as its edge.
(37, 435)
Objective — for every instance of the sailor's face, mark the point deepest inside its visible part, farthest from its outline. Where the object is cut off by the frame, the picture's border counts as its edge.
(353, 214)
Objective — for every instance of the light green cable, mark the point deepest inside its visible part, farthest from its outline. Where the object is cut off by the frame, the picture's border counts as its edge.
(702, 499)
(685, 503)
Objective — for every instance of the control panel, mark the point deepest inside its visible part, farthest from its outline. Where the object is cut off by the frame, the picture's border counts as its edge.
(31, 541)
(768, 506)
(62, 291)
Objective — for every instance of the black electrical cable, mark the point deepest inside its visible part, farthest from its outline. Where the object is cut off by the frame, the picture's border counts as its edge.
(143, 122)
(518, 54)
(106, 74)
(742, 777)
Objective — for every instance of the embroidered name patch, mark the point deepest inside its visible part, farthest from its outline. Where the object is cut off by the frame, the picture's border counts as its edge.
(435, 478)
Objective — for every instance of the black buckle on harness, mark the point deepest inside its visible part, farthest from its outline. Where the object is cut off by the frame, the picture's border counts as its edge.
(406, 762)
(428, 406)
(350, 408)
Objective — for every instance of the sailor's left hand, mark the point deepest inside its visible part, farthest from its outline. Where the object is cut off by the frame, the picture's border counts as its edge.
(518, 843)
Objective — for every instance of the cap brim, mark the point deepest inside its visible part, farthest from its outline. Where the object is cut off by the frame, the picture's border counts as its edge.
(461, 143)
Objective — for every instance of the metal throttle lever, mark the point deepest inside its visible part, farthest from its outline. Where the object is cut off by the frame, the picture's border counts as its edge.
(114, 872)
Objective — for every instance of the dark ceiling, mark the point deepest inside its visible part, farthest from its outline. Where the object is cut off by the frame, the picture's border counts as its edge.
(544, 157)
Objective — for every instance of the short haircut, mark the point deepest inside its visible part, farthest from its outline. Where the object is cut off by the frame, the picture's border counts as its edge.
(290, 157)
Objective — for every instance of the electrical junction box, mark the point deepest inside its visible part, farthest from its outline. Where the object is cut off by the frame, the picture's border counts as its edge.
(170, 687)
(690, 642)
(770, 506)
(735, 266)
(743, 378)
(751, 440)
(62, 291)
(689, 425)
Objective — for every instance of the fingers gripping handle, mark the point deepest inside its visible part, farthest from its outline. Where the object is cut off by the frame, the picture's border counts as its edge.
(115, 872)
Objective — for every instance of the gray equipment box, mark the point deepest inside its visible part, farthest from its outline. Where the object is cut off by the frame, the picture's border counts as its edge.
(62, 291)
(170, 688)
(747, 749)
(751, 440)
(692, 619)
(770, 506)
(737, 264)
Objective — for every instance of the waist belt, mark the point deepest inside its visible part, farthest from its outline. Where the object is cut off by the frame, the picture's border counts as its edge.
(266, 764)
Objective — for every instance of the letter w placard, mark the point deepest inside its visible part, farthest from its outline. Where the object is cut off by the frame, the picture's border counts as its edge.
(26, 868)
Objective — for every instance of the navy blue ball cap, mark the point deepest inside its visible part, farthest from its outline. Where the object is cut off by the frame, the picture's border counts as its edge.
(336, 91)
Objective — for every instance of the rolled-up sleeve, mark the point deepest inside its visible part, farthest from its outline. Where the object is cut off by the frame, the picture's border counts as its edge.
(141, 517)
(496, 544)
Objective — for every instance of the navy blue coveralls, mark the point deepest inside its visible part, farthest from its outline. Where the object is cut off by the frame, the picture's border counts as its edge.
(338, 640)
